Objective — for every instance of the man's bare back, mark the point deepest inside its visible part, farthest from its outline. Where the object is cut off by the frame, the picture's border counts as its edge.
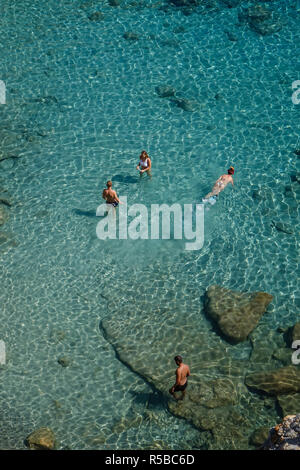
(182, 373)
(110, 195)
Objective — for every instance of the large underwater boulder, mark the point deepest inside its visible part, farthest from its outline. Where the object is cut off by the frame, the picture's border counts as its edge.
(276, 382)
(41, 439)
(236, 313)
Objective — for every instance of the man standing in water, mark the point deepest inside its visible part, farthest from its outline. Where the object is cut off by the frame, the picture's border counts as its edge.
(221, 183)
(182, 373)
(110, 196)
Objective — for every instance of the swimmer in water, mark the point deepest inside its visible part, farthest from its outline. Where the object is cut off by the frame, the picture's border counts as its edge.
(144, 164)
(221, 183)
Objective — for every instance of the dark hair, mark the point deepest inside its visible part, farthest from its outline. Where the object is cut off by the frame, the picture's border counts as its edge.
(109, 184)
(231, 171)
(178, 359)
(144, 153)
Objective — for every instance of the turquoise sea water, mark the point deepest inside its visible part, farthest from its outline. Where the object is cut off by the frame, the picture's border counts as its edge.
(81, 104)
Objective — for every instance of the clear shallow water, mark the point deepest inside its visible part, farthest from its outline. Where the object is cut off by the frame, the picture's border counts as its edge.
(81, 104)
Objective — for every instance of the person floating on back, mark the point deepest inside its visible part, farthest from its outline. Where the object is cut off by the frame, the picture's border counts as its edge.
(220, 184)
(182, 373)
(110, 196)
(144, 164)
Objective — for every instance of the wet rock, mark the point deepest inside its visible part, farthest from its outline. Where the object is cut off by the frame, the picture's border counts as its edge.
(64, 361)
(261, 20)
(165, 91)
(276, 382)
(289, 404)
(185, 104)
(282, 227)
(130, 36)
(41, 439)
(284, 436)
(236, 313)
(259, 436)
(96, 16)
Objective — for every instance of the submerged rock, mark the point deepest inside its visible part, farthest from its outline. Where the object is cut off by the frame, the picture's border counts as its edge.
(185, 104)
(282, 227)
(7, 239)
(97, 16)
(289, 404)
(165, 91)
(232, 37)
(64, 361)
(6, 202)
(130, 36)
(259, 436)
(284, 355)
(236, 313)
(284, 436)
(261, 20)
(276, 382)
(41, 439)
(295, 332)
(114, 3)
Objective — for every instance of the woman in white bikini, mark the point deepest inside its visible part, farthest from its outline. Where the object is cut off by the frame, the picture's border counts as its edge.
(144, 164)
(221, 183)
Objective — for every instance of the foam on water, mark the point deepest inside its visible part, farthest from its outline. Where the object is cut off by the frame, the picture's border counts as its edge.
(81, 104)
